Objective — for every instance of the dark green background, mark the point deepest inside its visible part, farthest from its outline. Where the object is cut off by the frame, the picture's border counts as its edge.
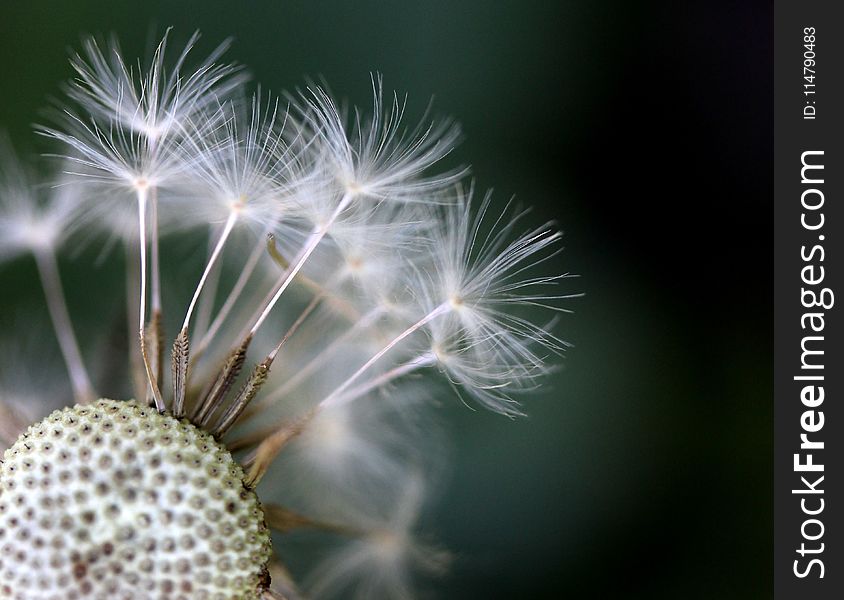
(644, 129)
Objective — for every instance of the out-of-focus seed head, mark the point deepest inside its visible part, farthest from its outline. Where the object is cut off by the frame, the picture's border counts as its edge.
(114, 500)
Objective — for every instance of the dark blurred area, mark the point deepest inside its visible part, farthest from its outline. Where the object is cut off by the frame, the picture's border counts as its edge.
(645, 130)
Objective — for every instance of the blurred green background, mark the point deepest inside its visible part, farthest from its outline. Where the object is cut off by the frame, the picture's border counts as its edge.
(644, 469)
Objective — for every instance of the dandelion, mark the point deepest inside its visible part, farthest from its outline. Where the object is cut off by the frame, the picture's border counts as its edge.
(241, 170)
(338, 255)
(374, 159)
(464, 294)
(130, 142)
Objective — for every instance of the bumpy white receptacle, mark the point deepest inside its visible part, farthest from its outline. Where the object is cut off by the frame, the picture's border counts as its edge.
(116, 501)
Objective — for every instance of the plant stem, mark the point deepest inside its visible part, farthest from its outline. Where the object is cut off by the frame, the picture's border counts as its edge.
(335, 396)
(48, 270)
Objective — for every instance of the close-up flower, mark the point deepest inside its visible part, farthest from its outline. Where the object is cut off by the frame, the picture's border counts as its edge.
(389, 300)
(334, 245)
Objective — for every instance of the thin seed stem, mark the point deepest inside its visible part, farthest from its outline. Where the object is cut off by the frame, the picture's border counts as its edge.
(260, 373)
(341, 305)
(284, 520)
(156, 324)
(426, 360)
(155, 262)
(142, 234)
(334, 397)
(249, 440)
(260, 459)
(222, 384)
(322, 356)
(142, 231)
(313, 241)
(249, 390)
(211, 261)
(296, 324)
(155, 338)
(139, 381)
(207, 300)
(274, 439)
(156, 392)
(232, 298)
(48, 270)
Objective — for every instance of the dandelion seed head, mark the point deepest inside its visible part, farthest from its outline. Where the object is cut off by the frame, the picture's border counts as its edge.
(126, 500)
(344, 268)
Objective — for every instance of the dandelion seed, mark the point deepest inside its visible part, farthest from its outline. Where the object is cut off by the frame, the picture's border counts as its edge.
(488, 351)
(131, 143)
(484, 278)
(377, 161)
(38, 225)
(240, 172)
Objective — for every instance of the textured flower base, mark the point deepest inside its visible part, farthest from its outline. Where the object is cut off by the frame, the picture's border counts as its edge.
(116, 501)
